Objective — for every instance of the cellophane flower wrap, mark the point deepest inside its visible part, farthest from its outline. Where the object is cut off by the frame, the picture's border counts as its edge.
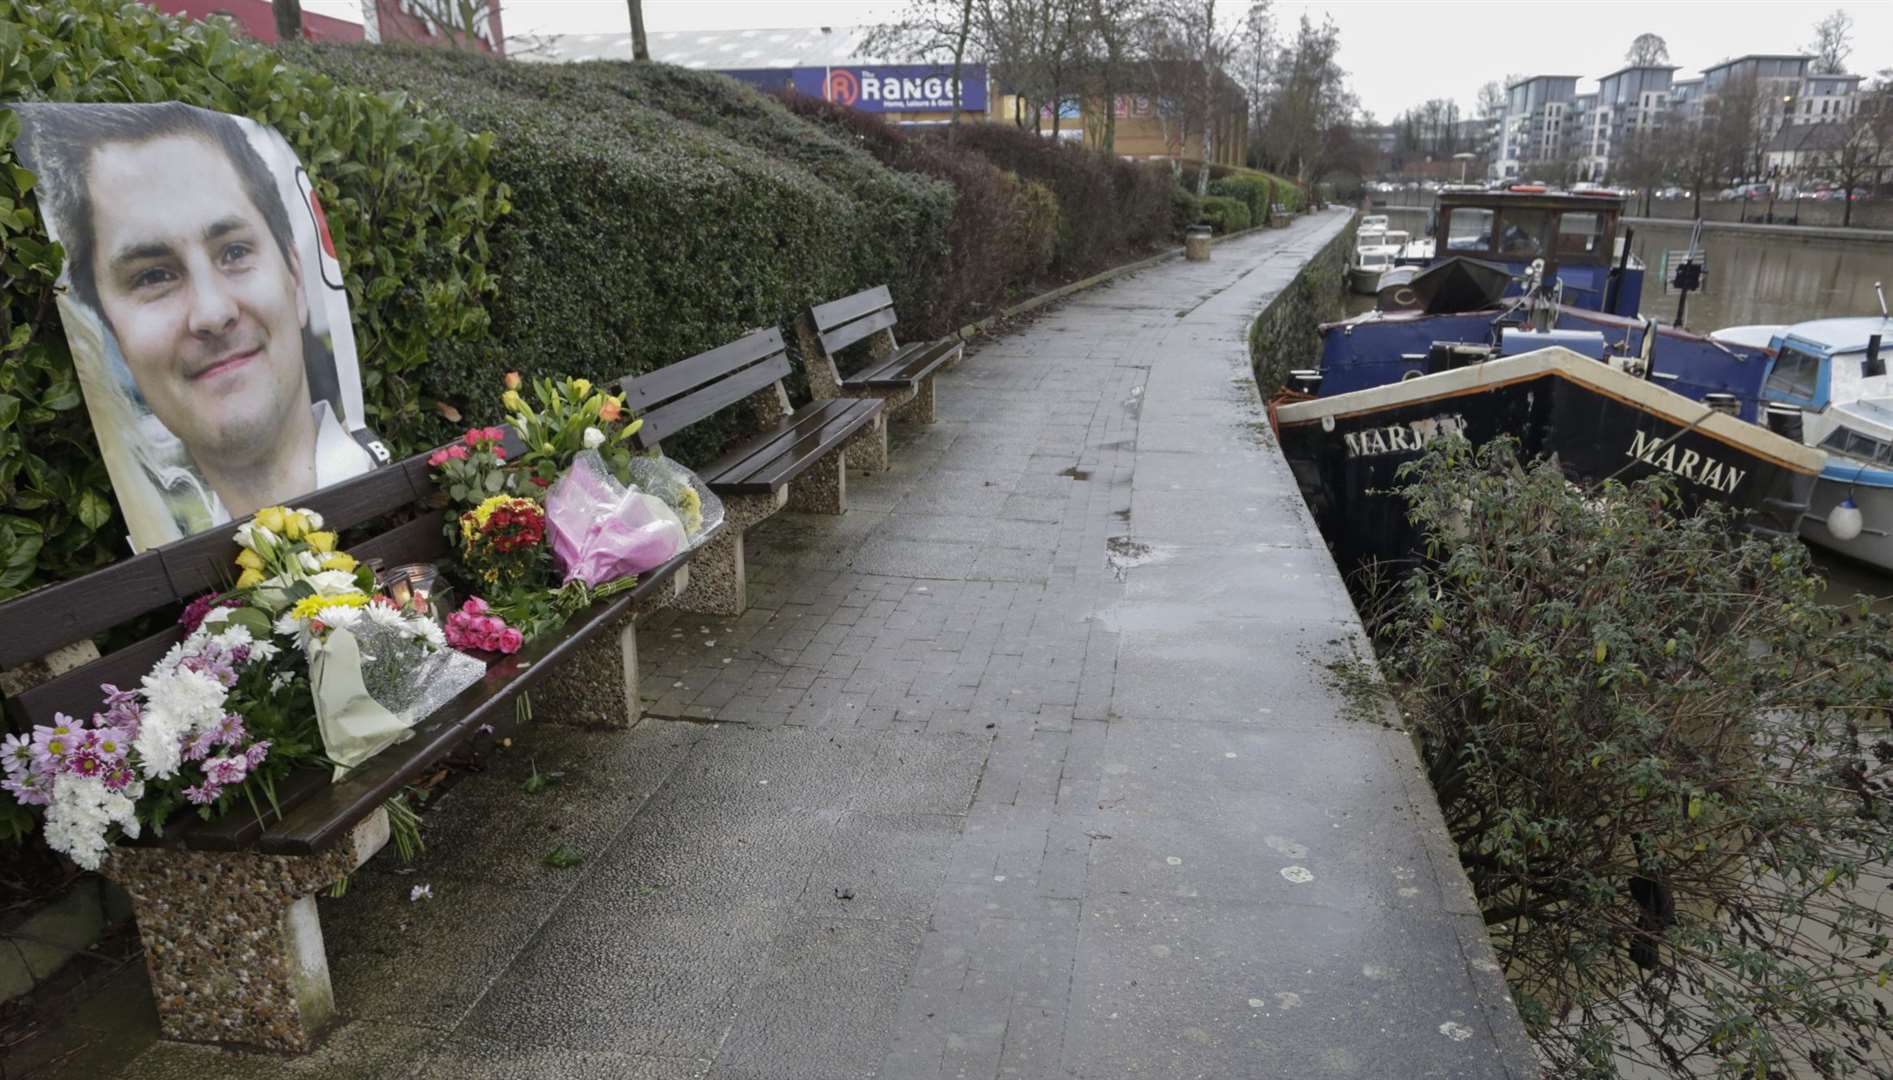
(602, 530)
(683, 491)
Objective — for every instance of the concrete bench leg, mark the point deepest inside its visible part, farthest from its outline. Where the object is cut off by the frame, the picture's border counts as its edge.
(718, 579)
(596, 685)
(233, 941)
(867, 451)
(919, 409)
(823, 489)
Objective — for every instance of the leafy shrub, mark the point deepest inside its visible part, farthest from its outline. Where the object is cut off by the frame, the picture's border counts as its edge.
(1225, 214)
(1110, 207)
(1255, 192)
(1003, 229)
(1664, 762)
(409, 199)
(638, 239)
(1185, 209)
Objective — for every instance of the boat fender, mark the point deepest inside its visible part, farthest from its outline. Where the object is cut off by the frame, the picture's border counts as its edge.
(1844, 521)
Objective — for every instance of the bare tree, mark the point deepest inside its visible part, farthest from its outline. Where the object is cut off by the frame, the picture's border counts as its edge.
(288, 19)
(1036, 48)
(1308, 103)
(1833, 42)
(1111, 32)
(1193, 51)
(932, 31)
(640, 45)
(1256, 49)
(1648, 50)
(1864, 148)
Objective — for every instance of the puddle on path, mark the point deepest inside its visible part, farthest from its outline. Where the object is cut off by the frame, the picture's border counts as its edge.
(1122, 555)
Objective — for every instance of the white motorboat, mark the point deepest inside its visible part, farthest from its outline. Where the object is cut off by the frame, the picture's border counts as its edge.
(1834, 372)
(1370, 261)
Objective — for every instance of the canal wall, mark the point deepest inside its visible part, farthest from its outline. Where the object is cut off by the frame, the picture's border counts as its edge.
(1286, 335)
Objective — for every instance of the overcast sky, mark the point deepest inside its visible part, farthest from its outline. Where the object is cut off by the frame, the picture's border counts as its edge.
(1398, 53)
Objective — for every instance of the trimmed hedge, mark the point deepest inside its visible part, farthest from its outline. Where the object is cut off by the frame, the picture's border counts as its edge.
(638, 239)
(1004, 229)
(1111, 207)
(409, 200)
(1255, 192)
(1224, 214)
(1185, 209)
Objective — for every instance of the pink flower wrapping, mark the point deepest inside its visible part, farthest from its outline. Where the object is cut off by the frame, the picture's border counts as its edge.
(601, 530)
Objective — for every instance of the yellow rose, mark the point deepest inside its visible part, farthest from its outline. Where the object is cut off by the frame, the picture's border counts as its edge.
(249, 560)
(321, 541)
(250, 578)
(581, 388)
(273, 519)
(512, 401)
(339, 561)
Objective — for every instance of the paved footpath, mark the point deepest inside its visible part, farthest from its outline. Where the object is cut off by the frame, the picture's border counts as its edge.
(1031, 765)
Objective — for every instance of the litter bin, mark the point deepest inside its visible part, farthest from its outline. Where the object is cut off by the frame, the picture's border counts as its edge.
(1196, 243)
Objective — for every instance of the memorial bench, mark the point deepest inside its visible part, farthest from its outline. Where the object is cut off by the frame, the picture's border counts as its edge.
(1280, 215)
(226, 908)
(798, 459)
(901, 375)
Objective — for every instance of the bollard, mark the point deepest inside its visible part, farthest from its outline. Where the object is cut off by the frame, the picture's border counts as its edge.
(1196, 243)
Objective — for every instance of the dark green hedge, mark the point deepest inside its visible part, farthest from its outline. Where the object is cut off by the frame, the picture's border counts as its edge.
(409, 200)
(1258, 193)
(638, 238)
(1225, 214)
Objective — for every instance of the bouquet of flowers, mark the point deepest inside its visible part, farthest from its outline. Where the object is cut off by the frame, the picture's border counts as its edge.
(218, 717)
(502, 537)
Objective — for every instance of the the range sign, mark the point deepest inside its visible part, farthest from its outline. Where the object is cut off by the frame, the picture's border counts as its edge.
(896, 87)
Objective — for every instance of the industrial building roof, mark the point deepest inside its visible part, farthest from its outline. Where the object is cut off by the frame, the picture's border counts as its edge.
(719, 50)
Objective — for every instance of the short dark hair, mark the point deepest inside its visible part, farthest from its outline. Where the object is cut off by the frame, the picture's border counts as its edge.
(60, 140)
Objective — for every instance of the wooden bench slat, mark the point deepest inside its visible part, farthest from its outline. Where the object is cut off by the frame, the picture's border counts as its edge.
(667, 420)
(839, 338)
(58, 615)
(796, 458)
(906, 368)
(737, 463)
(644, 393)
(327, 816)
(836, 312)
(239, 829)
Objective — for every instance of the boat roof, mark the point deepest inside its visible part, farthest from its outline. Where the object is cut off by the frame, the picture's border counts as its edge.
(1753, 336)
(1535, 200)
(1845, 334)
(1563, 363)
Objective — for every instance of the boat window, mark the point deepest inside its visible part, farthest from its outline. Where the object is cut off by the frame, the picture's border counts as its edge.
(1795, 373)
(1468, 228)
(1519, 233)
(1582, 234)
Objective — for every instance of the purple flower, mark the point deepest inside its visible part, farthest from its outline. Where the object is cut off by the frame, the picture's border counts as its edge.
(16, 754)
(255, 754)
(84, 763)
(34, 789)
(203, 795)
(199, 748)
(227, 770)
(114, 697)
(51, 743)
(109, 743)
(230, 732)
(119, 778)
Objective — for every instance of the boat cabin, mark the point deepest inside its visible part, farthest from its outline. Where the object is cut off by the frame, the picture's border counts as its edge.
(1575, 235)
(1815, 364)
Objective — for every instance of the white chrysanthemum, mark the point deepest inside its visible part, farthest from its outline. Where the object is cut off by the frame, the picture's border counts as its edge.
(178, 705)
(339, 617)
(82, 813)
(280, 680)
(288, 625)
(234, 635)
(389, 618)
(262, 652)
(594, 438)
(217, 616)
(332, 582)
(429, 631)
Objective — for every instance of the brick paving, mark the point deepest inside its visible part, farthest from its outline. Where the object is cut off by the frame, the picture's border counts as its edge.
(1027, 766)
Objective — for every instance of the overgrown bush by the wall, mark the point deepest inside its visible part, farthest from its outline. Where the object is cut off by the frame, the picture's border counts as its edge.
(1287, 335)
(1663, 758)
(409, 198)
(1225, 215)
(1185, 209)
(638, 239)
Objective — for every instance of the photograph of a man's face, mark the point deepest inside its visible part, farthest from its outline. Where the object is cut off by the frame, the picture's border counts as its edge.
(204, 308)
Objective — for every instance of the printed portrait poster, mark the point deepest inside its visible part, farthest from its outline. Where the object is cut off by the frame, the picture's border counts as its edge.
(205, 308)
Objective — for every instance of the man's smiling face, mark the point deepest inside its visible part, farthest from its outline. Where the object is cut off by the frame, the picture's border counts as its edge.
(206, 309)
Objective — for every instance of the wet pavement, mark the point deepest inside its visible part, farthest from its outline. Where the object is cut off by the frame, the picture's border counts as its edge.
(1039, 762)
